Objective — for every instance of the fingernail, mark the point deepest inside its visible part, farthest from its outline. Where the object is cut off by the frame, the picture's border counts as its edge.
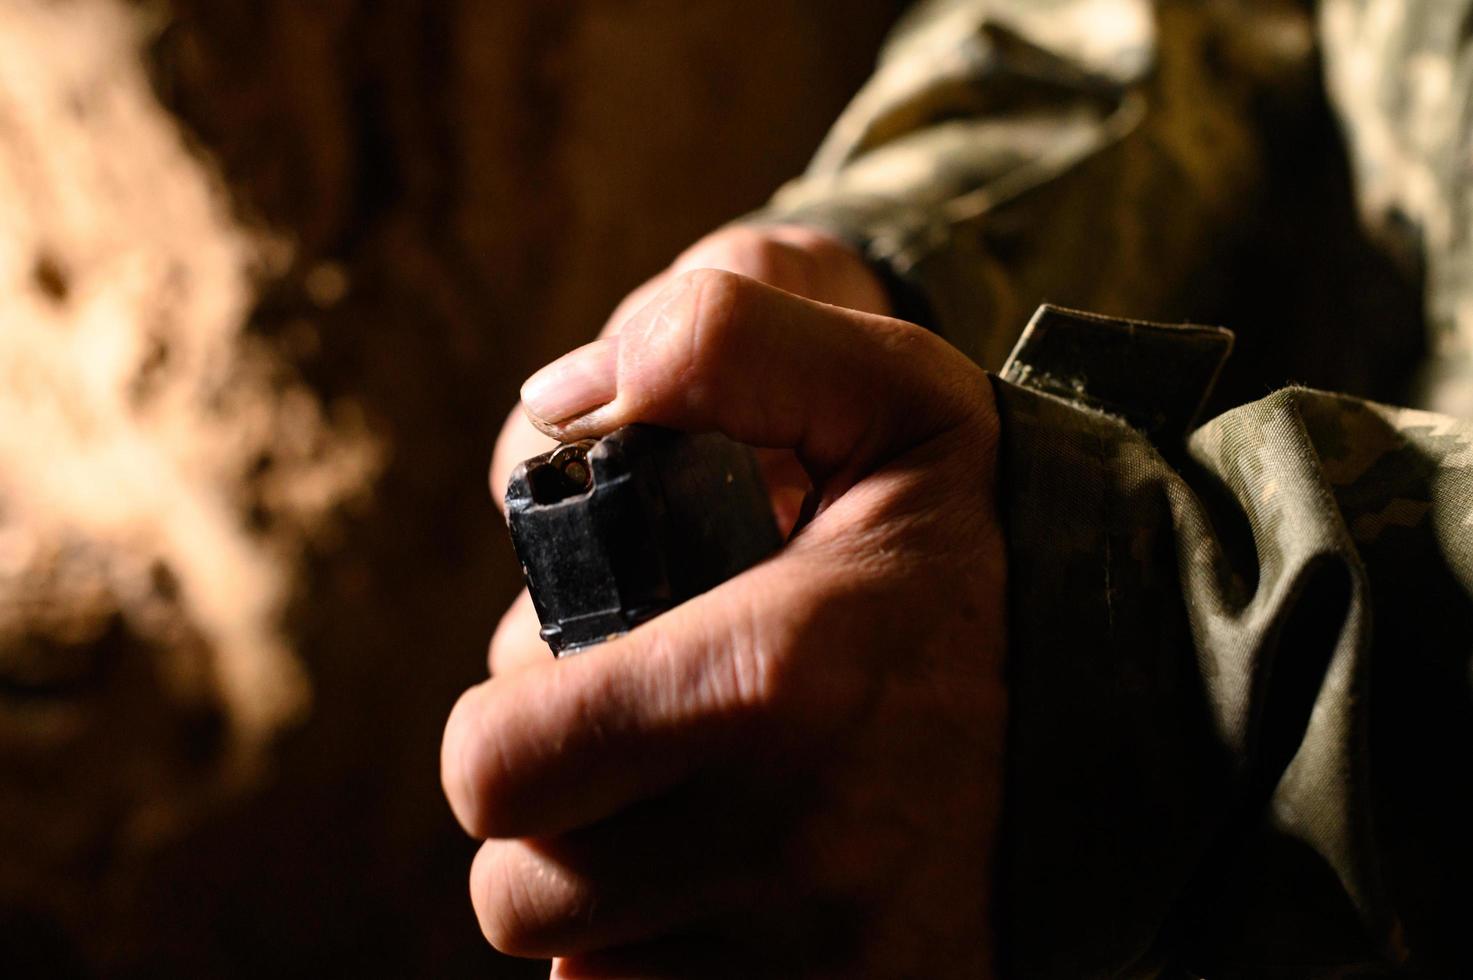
(574, 384)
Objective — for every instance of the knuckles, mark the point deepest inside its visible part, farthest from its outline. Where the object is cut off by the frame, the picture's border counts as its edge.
(763, 671)
(717, 308)
(685, 345)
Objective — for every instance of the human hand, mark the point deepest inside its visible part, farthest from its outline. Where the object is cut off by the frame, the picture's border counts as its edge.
(799, 771)
(798, 260)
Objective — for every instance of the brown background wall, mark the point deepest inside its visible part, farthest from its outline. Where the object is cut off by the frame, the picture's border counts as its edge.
(470, 186)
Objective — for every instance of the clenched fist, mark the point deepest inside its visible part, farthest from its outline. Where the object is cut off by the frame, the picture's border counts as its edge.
(798, 772)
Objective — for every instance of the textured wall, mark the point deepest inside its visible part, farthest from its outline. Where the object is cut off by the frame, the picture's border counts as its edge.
(269, 289)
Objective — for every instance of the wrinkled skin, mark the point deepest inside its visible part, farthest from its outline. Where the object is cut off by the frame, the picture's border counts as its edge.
(797, 773)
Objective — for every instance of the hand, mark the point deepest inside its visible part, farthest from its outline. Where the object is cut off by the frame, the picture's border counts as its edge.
(797, 772)
(798, 260)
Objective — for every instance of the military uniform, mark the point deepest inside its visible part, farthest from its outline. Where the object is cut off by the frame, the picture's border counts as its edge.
(1240, 654)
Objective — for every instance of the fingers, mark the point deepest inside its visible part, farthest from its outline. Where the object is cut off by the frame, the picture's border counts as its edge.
(798, 260)
(634, 302)
(719, 351)
(517, 642)
(551, 747)
(519, 439)
(649, 871)
(787, 486)
(542, 750)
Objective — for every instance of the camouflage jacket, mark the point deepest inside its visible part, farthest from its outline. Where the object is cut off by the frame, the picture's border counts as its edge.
(1240, 657)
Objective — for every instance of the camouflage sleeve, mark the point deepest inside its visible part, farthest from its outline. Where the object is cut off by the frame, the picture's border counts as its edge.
(1094, 153)
(1240, 676)
(1400, 78)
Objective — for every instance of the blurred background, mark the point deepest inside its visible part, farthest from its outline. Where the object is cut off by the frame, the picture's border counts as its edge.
(272, 272)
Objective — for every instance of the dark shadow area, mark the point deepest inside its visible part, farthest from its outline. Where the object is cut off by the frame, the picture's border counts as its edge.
(462, 191)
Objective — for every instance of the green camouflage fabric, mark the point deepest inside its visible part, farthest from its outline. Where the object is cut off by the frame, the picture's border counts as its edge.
(1239, 671)
(1400, 73)
(1241, 663)
(1011, 153)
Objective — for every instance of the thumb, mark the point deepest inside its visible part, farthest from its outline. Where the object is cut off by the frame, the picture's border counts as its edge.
(845, 390)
